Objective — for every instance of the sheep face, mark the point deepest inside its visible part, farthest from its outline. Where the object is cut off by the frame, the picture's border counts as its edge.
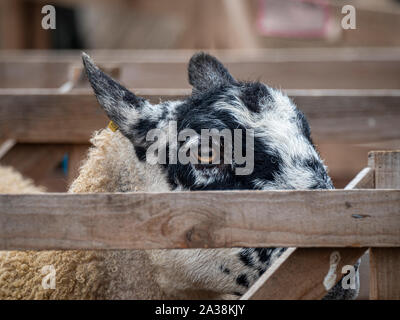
(226, 135)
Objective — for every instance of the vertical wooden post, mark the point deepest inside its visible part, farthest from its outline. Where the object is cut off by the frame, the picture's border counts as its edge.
(385, 262)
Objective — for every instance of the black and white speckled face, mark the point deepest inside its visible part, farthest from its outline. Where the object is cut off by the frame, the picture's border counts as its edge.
(283, 153)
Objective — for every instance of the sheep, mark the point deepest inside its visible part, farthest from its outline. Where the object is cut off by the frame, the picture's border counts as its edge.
(119, 161)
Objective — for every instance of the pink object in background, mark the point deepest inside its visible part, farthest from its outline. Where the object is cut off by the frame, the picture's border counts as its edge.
(294, 18)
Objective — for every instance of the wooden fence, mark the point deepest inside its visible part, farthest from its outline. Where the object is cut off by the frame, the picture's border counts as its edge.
(317, 223)
(47, 110)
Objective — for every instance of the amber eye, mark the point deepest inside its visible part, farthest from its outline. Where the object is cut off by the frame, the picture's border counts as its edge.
(207, 154)
(206, 160)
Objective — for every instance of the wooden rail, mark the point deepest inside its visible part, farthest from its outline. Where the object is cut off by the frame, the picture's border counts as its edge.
(350, 68)
(214, 219)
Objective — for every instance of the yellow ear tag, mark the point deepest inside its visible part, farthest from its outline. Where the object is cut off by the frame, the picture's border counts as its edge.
(113, 126)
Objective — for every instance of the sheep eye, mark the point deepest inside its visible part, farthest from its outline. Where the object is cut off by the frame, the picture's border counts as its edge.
(206, 156)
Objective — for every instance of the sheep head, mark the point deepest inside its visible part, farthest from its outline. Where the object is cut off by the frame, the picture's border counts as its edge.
(257, 138)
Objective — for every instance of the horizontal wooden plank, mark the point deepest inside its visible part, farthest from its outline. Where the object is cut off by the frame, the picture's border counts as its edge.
(288, 75)
(227, 55)
(337, 116)
(348, 68)
(318, 218)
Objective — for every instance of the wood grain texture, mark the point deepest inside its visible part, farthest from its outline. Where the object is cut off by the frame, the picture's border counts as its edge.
(385, 273)
(365, 179)
(299, 273)
(226, 55)
(387, 168)
(289, 75)
(385, 263)
(325, 218)
(339, 116)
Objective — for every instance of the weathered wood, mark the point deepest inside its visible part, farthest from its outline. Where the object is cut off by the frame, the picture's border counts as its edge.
(300, 272)
(334, 218)
(384, 273)
(385, 263)
(227, 55)
(288, 75)
(340, 116)
(363, 180)
(387, 168)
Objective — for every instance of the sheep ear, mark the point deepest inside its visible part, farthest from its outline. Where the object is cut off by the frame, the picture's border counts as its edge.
(206, 72)
(121, 105)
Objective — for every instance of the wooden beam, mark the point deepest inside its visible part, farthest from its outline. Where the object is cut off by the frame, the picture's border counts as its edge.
(387, 168)
(288, 75)
(385, 263)
(208, 219)
(285, 68)
(227, 55)
(338, 116)
(300, 272)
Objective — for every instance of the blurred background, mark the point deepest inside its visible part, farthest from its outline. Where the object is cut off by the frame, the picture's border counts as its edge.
(193, 24)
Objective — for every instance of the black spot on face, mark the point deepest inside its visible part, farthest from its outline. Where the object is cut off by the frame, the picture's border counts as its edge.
(224, 269)
(242, 280)
(245, 257)
(140, 129)
(261, 271)
(264, 254)
(140, 153)
(253, 94)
